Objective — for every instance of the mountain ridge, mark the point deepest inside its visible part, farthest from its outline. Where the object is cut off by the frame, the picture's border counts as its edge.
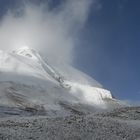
(24, 73)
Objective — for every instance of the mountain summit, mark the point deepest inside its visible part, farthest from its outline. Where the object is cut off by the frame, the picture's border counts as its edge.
(29, 81)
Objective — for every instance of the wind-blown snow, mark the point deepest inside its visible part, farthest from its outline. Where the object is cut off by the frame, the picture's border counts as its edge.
(27, 80)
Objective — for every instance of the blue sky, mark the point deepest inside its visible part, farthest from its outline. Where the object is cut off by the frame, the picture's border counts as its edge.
(108, 47)
(111, 47)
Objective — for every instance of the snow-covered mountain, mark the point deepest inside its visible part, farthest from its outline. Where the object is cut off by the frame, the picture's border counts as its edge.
(30, 82)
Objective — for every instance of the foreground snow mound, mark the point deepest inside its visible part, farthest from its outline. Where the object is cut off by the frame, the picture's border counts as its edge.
(29, 81)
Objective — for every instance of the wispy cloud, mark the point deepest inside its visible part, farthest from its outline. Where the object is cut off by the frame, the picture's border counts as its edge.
(49, 31)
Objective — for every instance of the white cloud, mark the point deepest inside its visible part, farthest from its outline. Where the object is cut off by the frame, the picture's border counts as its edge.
(49, 31)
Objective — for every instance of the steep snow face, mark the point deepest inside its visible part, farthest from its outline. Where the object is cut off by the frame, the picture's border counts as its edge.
(22, 62)
(90, 95)
(27, 80)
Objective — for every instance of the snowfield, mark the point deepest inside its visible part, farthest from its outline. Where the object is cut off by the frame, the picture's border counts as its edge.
(43, 101)
(29, 81)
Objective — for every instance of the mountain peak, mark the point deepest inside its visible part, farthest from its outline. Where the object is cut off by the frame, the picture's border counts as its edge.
(26, 68)
(26, 52)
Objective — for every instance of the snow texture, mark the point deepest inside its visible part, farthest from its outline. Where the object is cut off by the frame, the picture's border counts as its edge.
(29, 81)
(44, 101)
(75, 127)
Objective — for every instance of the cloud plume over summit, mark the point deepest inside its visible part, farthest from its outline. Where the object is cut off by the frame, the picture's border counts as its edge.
(49, 30)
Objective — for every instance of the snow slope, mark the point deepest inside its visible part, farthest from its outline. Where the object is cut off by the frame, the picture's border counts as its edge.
(29, 81)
